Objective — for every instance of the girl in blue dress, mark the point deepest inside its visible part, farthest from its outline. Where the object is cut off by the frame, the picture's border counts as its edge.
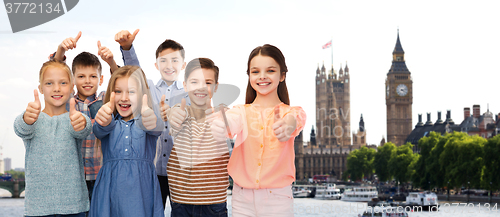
(127, 184)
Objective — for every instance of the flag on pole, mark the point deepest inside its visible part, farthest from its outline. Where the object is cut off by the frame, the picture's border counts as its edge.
(327, 45)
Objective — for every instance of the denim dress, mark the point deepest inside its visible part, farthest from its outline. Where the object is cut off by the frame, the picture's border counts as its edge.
(127, 184)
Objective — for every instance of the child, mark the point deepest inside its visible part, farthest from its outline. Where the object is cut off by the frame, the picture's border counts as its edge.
(262, 163)
(128, 128)
(55, 184)
(87, 71)
(197, 169)
(169, 61)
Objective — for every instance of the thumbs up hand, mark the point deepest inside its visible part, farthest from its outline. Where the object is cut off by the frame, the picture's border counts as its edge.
(105, 113)
(70, 42)
(105, 53)
(77, 120)
(33, 110)
(148, 115)
(165, 109)
(283, 127)
(125, 39)
(178, 115)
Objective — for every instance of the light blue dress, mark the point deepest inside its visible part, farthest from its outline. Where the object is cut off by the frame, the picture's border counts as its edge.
(127, 184)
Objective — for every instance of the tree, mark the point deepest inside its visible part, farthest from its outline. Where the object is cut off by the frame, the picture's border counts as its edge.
(420, 176)
(400, 163)
(360, 163)
(462, 159)
(381, 161)
(491, 166)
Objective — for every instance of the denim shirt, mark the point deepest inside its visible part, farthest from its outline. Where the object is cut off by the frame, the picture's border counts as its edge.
(173, 95)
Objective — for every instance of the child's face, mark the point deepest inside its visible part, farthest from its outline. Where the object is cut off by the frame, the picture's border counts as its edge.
(265, 74)
(55, 87)
(170, 63)
(87, 79)
(200, 86)
(127, 95)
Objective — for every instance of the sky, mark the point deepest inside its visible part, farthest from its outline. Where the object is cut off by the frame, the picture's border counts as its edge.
(451, 49)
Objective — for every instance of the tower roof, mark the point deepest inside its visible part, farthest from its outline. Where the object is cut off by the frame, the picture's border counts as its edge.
(398, 48)
(346, 68)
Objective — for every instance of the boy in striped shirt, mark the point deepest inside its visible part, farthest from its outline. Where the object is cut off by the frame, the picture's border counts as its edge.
(197, 168)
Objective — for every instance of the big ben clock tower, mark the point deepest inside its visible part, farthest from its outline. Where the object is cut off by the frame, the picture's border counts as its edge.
(398, 98)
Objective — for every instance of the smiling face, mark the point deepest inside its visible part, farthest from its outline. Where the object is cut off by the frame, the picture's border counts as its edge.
(126, 97)
(56, 87)
(87, 79)
(170, 63)
(200, 86)
(265, 75)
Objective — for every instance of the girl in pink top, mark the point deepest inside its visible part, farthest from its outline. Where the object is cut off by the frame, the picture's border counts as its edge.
(262, 164)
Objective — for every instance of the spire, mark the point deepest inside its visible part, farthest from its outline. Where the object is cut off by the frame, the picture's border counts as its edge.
(398, 48)
(346, 70)
(317, 70)
(341, 71)
(361, 124)
(323, 67)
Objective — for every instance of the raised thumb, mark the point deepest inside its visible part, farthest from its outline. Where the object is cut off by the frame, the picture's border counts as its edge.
(112, 101)
(276, 114)
(145, 102)
(162, 102)
(72, 103)
(37, 100)
(183, 104)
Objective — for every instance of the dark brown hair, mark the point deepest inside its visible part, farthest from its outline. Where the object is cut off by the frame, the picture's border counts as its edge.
(136, 73)
(172, 45)
(203, 63)
(86, 59)
(275, 53)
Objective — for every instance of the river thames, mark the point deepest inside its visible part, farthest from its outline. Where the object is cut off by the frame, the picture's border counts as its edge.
(306, 207)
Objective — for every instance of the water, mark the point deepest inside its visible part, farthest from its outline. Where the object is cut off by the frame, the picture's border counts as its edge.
(303, 207)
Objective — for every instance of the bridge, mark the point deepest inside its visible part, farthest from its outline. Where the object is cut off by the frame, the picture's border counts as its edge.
(14, 187)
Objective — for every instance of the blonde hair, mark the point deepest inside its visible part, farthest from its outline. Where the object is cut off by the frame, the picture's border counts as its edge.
(57, 64)
(136, 73)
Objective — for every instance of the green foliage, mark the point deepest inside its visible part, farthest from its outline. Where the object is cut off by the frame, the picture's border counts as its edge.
(491, 168)
(399, 165)
(360, 163)
(462, 159)
(381, 161)
(15, 174)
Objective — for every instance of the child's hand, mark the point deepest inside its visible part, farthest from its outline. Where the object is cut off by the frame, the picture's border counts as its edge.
(178, 115)
(283, 128)
(69, 43)
(77, 120)
(148, 115)
(33, 110)
(105, 53)
(107, 56)
(218, 129)
(104, 115)
(125, 39)
(165, 109)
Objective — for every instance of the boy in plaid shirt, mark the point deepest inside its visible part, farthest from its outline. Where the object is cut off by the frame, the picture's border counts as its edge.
(87, 73)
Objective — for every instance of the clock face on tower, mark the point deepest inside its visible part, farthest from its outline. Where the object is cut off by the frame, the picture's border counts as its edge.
(402, 90)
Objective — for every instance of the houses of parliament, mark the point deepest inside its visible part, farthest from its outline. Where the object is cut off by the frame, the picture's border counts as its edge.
(330, 140)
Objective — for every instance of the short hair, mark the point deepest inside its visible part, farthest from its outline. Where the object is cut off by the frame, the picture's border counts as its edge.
(57, 64)
(86, 59)
(169, 43)
(203, 63)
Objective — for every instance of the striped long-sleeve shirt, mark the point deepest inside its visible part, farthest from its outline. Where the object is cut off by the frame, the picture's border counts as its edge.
(197, 168)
